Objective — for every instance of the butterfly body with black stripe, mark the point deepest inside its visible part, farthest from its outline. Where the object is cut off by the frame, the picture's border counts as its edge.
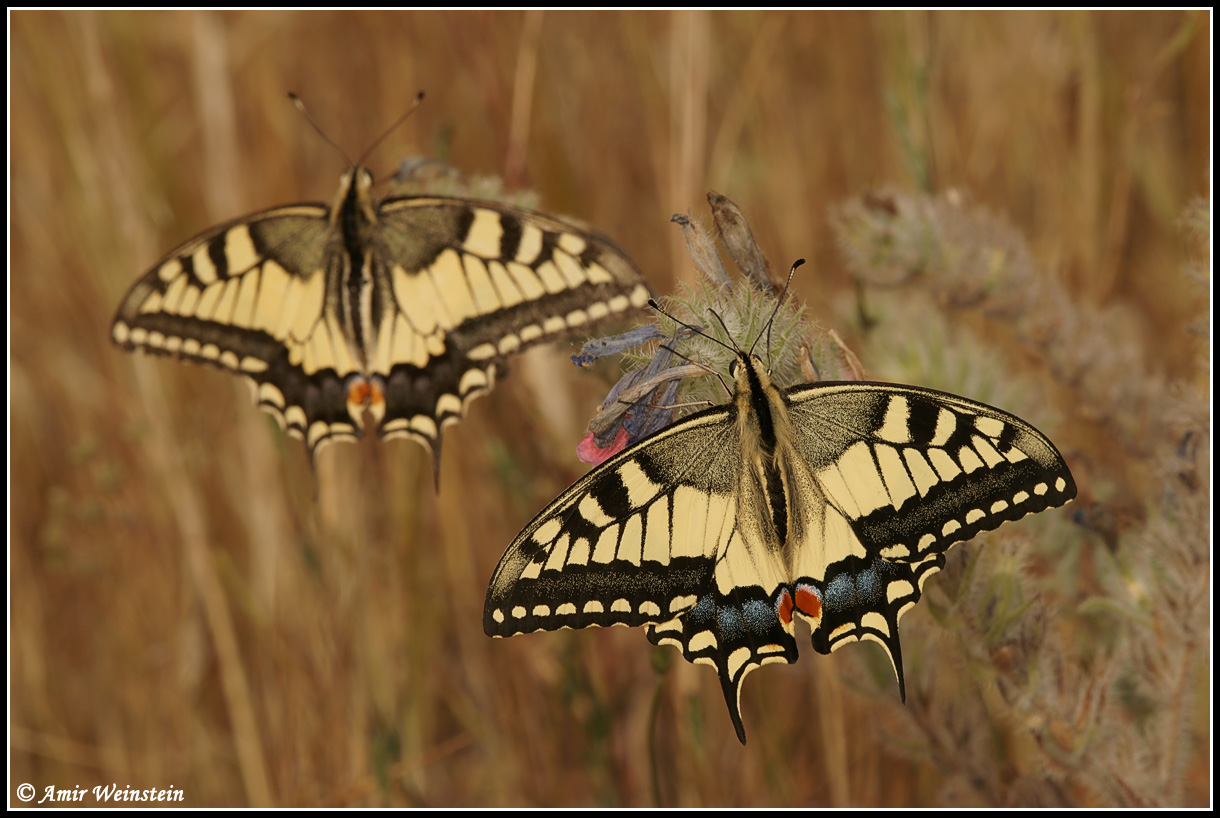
(401, 308)
(833, 502)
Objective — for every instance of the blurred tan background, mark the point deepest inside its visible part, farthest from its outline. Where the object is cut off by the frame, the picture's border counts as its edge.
(189, 609)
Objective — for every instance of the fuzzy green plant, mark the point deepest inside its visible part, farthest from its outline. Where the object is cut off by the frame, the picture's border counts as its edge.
(681, 362)
(1087, 693)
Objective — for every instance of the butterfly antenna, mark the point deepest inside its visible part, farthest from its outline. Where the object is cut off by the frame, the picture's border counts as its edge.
(410, 110)
(693, 362)
(736, 350)
(778, 303)
(308, 118)
(652, 303)
(300, 104)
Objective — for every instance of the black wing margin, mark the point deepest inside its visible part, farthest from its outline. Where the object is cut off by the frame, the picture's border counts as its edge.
(632, 542)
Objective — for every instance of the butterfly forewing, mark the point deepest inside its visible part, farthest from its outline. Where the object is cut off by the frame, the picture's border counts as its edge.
(403, 308)
(471, 284)
(830, 502)
(916, 470)
(633, 542)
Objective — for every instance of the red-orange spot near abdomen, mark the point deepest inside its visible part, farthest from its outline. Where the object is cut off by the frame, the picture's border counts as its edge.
(376, 396)
(808, 602)
(783, 607)
(361, 392)
(358, 392)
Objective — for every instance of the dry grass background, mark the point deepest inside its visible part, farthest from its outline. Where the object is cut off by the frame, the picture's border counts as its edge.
(184, 611)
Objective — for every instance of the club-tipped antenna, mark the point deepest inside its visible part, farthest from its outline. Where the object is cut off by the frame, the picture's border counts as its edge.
(778, 303)
(410, 110)
(300, 105)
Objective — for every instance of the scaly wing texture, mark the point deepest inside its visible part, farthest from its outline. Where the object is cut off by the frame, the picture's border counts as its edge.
(408, 315)
(911, 471)
(672, 533)
(255, 296)
(461, 285)
(632, 542)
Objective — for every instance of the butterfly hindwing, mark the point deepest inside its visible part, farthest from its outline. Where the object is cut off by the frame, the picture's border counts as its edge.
(402, 308)
(734, 633)
(864, 598)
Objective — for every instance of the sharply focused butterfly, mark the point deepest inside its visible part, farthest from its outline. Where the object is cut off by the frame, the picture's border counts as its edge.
(829, 501)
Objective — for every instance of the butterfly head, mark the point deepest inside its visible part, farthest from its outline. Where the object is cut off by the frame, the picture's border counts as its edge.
(363, 179)
(355, 188)
(743, 366)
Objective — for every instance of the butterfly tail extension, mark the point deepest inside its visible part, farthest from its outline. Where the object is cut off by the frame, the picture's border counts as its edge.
(420, 405)
(734, 634)
(864, 598)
